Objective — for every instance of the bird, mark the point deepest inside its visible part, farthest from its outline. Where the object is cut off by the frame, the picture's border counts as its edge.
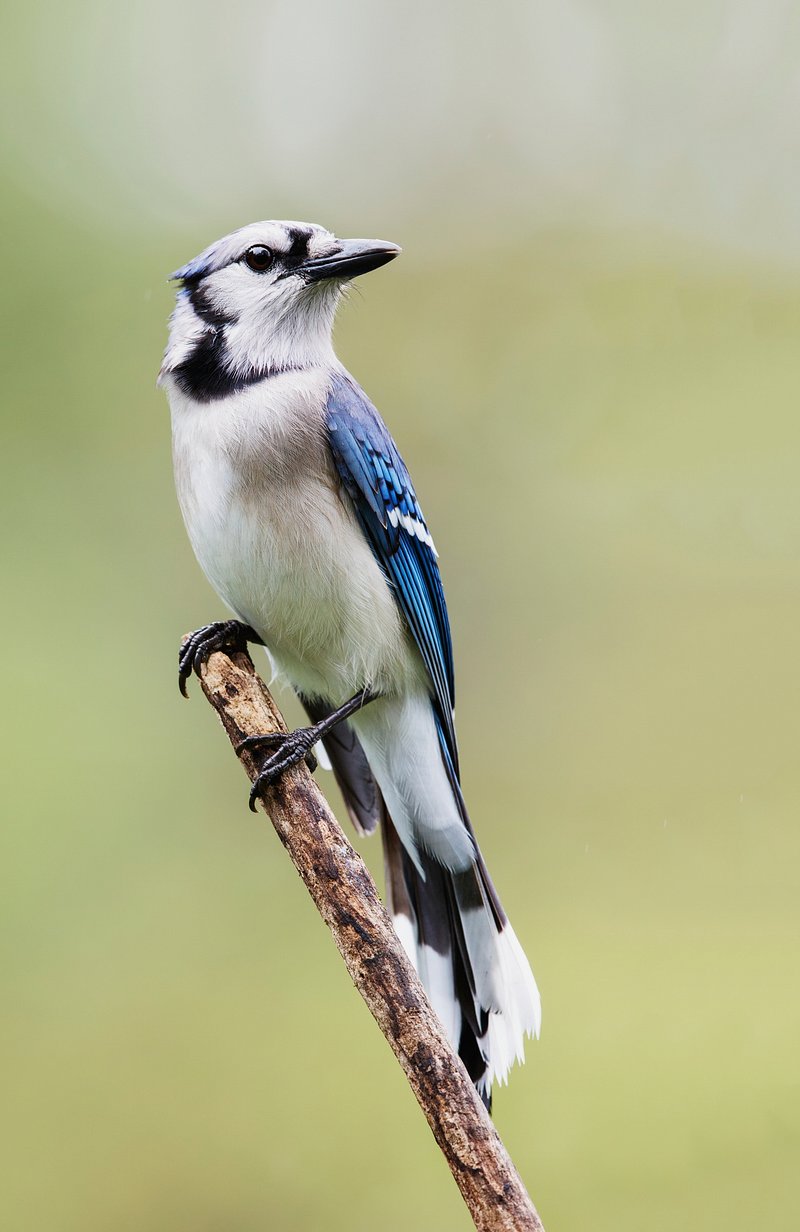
(303, 516)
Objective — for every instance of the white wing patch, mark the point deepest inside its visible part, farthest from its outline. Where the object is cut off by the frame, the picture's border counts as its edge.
(414, 526)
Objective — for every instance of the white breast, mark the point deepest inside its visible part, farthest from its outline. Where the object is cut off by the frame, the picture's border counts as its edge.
(278, 539)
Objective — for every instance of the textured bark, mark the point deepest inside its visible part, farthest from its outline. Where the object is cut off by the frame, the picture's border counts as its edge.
(347, 899)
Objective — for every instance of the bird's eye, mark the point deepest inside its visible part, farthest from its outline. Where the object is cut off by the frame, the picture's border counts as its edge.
(259, 258)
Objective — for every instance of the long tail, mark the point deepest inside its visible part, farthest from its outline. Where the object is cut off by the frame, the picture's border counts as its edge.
(450, 920)
(467, 956)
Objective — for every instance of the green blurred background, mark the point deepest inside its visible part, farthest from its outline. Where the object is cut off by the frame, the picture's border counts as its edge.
(588, 354)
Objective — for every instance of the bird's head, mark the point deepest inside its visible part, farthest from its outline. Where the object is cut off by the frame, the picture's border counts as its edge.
(259, 301)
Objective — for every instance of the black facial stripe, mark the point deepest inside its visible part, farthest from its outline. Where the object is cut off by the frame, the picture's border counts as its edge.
(288, 260)
(298, 246)
(291, 260)
(206, 376)
(201, 302)
(199, 374)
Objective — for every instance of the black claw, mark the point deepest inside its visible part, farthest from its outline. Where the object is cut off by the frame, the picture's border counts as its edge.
(290, 749)
(221, 635)
(293, 747)
(186, 658)
(270, 740)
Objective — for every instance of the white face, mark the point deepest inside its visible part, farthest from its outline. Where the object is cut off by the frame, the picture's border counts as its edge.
(261, 301)
(250, 289)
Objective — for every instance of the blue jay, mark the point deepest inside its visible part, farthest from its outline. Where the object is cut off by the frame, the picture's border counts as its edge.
(303, 516)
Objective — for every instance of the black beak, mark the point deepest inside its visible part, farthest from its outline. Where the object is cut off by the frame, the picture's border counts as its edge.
(353, 258)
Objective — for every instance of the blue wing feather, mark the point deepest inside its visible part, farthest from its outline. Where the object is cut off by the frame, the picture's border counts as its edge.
(378, 483)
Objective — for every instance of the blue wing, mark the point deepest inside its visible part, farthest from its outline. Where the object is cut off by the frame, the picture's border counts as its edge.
(377, 481)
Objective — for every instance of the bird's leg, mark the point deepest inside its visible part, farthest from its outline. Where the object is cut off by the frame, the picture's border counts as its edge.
(292, 747)
(221, 635)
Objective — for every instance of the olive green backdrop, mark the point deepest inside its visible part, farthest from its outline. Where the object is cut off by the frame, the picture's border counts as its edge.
(589, 356)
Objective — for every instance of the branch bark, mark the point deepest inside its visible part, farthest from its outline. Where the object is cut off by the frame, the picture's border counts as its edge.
(346, 897)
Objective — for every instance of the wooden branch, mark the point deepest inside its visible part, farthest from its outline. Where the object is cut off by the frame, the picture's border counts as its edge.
(346, 897)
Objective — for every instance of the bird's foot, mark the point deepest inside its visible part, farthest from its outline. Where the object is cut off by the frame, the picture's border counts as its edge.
(221, 635)
(290, 748)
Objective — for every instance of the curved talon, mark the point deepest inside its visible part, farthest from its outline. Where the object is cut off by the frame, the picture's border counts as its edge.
(269, 775)
(271, 740)
(294, 747)
(186, 659)
(220, 635)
